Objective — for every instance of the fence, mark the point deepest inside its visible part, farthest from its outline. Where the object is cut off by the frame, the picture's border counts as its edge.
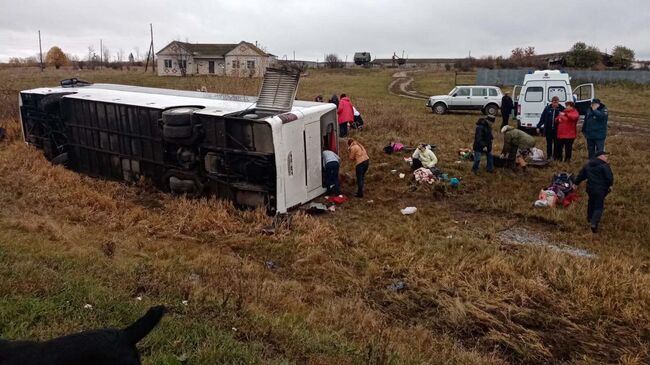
(516, 77)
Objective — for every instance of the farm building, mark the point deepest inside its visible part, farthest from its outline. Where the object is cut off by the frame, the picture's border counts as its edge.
(237, 59)
(362, 58)
(439, 64)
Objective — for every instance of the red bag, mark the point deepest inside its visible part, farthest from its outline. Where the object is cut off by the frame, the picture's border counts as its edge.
(340, 199)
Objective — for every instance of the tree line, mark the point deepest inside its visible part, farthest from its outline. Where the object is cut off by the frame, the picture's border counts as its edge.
(579, 56)
(57, 58)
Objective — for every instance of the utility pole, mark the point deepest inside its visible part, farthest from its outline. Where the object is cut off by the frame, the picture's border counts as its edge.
(153, 55)
(40, 49)
(150, 53)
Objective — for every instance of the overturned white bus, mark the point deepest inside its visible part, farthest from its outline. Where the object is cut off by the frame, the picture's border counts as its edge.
(263, 151)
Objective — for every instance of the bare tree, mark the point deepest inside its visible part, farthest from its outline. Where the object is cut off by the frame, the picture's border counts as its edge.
(74, 59)
(91, 52)
(137, 53)
(332, 60)
(92, 57)
(107, 55)
(120, 55)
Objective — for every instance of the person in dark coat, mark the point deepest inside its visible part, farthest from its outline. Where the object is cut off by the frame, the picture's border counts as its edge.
(506, 109)
(483, 143)
(600, 179)
(331, 163)
(334, 100)
(595, 127)
(547, 123)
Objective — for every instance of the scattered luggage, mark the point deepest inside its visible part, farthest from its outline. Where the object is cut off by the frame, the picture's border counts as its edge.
(561, 190)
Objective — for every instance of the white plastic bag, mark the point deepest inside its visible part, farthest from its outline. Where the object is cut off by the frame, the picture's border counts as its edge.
(409, 210)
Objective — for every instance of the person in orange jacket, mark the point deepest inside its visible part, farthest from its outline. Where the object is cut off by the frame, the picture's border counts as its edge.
(345, 114)
(361, 160)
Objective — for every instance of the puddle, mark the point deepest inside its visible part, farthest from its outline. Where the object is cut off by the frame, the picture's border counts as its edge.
(522, 236)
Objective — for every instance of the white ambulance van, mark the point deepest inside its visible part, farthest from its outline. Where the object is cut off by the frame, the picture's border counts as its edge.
(539, 87)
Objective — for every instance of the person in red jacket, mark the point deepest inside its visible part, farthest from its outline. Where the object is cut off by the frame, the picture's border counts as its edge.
(345, 115)
(567, 130)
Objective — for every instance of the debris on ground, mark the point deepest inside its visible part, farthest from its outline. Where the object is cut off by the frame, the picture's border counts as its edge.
(397, 287)
(424, 175)
(454, 182)
(316, 208)
(88, 306)
(522, 236)
(340, 199)
(402, 175)
(409, 210)
(3, 133)
(393, 147)
(561, 191)
(465, 154)
(270, 265)
(268, 230)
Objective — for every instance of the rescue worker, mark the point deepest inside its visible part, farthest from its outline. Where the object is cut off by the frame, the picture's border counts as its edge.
(358, 154)
(547, 123)
(515, 140)
(600, 179)
(595, 127)
(345, 114)
(483, 143)
(331, 163)
(506, 109)
(334, 100)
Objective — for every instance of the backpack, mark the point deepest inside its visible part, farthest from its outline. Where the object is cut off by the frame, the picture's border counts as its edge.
(564, 181)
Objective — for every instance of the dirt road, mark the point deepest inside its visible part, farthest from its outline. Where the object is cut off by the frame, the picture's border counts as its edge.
(401, 86)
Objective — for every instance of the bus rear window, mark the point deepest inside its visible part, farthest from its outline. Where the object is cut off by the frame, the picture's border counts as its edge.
(534, 94)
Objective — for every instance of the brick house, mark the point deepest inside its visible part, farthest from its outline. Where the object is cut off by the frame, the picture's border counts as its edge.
(241, 59)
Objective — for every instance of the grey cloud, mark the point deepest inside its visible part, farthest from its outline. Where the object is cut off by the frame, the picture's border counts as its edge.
(443, 28)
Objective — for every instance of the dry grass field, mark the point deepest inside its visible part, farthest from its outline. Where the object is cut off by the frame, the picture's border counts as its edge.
(323, 292)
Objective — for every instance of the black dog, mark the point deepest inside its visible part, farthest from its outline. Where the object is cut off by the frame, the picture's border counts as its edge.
(98, 347)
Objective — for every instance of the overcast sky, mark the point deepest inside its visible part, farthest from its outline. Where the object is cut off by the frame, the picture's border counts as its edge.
(420, 28)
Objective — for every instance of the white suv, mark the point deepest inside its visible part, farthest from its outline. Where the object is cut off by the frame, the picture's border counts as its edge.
(484, 98)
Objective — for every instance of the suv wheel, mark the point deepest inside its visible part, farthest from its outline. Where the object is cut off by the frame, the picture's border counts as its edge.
(491, 109)
(439, 108)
